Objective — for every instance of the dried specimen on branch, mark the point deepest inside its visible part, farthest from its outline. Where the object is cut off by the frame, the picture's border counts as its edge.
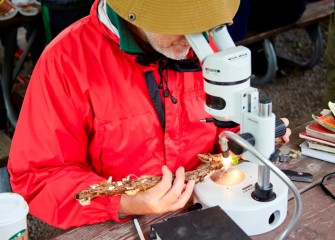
(210, 162)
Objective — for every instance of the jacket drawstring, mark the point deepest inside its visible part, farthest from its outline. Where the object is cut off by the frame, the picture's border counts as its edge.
(167, 91)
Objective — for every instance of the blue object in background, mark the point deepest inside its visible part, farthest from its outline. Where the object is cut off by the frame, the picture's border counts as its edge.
(4, 180)
(239, 29)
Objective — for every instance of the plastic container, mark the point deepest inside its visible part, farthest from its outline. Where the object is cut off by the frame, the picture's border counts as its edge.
(13, 217)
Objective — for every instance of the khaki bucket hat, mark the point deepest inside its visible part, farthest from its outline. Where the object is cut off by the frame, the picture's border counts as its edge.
(176, 17)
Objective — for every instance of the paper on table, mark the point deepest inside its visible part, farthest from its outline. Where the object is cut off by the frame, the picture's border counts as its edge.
(331, 106)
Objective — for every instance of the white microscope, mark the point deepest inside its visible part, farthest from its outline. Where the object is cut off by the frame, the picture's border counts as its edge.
(252, 195)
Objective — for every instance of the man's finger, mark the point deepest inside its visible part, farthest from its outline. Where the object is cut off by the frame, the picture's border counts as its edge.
(184, 197)
(164, 185)
(177, 187)
(287, 135)
(285, 121)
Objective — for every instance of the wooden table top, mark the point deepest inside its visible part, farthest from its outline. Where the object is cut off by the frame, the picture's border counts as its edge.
(316, 221)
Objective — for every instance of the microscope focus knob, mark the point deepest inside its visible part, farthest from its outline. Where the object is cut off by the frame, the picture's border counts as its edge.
(236, 148)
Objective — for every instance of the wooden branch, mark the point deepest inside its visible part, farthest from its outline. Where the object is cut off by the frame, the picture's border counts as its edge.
(210, 162)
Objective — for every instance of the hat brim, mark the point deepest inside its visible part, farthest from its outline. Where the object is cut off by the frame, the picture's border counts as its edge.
(177, 17)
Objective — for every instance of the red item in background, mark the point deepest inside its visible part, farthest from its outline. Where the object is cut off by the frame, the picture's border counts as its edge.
(304, 135)
(316, 130)
(5, 7)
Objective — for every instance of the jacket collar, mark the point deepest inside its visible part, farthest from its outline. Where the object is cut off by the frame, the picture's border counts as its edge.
(127, 42)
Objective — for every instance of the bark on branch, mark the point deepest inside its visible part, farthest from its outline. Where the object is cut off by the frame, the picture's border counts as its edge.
(210, 162)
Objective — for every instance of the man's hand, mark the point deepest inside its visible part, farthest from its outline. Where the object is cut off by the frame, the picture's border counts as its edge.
(287, 135)
(166, 196)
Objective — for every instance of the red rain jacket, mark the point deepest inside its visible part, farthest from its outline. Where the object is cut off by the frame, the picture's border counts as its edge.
(88, 115)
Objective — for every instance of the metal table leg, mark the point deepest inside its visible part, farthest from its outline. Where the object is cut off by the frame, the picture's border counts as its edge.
(7, 72)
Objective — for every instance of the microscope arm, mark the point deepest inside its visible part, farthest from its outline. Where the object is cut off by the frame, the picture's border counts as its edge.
(298, 204)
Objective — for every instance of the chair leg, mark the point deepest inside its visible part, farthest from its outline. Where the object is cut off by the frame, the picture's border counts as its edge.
(24, 55)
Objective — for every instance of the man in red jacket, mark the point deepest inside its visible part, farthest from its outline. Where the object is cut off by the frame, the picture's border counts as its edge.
(117, 93)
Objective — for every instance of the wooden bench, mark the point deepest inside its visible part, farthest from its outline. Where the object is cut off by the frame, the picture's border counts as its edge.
(315, 13)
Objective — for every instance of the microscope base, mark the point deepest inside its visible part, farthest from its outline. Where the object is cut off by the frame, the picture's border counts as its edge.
(254, 217)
